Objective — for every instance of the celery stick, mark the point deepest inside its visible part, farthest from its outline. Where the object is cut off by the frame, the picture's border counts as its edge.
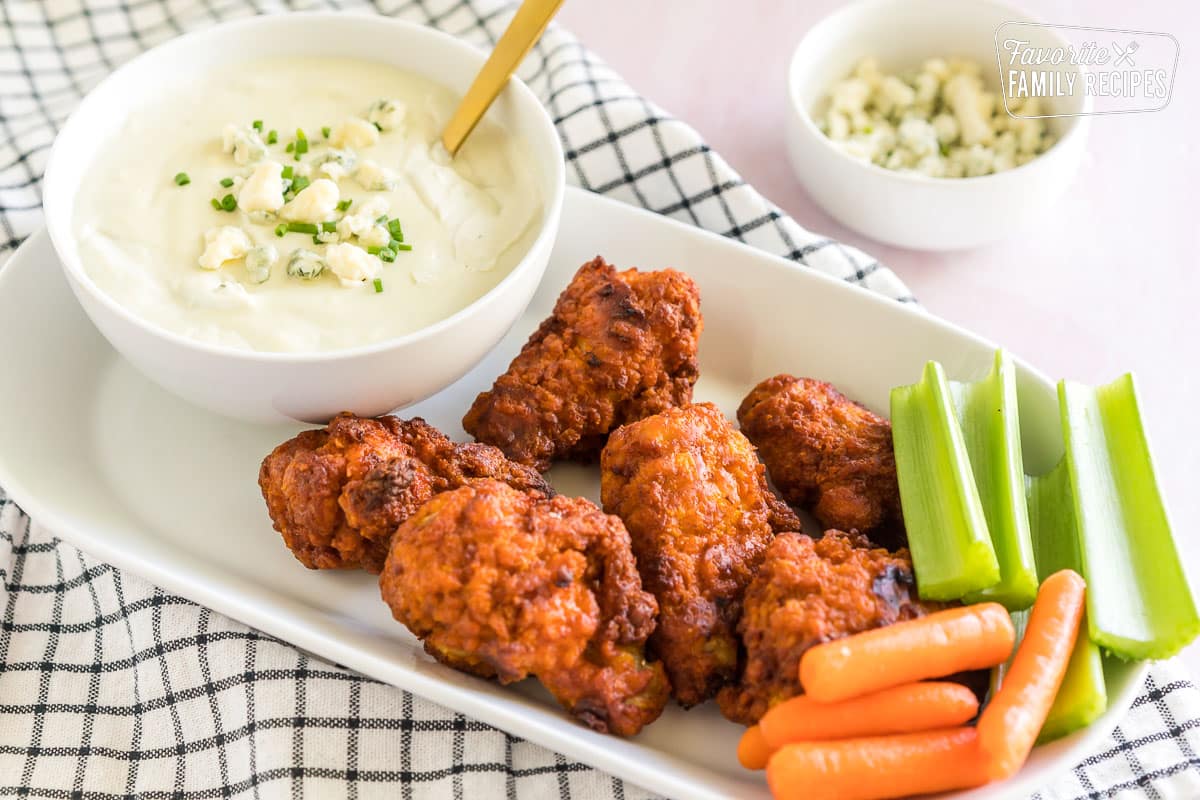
(1020, 621)
(1083, 696)
(1139, 602)
(947, 530)
(987, 411)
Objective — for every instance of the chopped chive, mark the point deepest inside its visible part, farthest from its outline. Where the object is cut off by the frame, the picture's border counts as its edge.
(381, 220)
(301, 227)
(378, 285)
(182, 179)
(395, 230)
(402, 247)
(374, 250)
(301, 144)
(290, 146)
(229, 202)
(257, 125)
(329, 227)
(227, 182)
(344, 204)
(281, 229)
(325, 131)
(287, 172)
(272, 136)
(378, 127)
(317, 239)
(387, 254)
(216, 204)
(300, 184)
(393, 245)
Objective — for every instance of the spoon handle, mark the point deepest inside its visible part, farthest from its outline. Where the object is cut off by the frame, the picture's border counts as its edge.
(525, 29)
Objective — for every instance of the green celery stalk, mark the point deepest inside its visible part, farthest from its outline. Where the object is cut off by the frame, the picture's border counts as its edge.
(947, 530)
(1083, 696)
(987, 412)
(1139, 602)
(1020, 620)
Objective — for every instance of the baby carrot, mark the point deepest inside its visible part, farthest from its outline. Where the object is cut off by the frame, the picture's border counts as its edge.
(1012, 720)
(878, 767)
(753, 751)
(933, 646)
(902, 709)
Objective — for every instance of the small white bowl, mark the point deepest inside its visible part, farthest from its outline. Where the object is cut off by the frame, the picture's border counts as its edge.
(272, 387)
(909, 210)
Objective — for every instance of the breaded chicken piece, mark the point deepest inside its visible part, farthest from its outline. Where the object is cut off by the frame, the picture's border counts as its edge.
(507, 584)
(338, 494)
(807, 592)
(827, 455)
(619, 346)
(694, 497)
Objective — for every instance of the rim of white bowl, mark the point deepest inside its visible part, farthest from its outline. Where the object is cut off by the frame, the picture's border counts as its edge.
(551, 213)
(1077, 126)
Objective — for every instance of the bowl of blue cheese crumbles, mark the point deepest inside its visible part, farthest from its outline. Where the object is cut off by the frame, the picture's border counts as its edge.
(898, 128)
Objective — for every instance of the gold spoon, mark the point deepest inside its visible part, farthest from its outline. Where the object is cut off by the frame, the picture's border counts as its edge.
(522, 33)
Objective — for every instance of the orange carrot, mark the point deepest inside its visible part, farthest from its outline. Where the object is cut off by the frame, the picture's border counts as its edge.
(878, 767)
(753, 750)
(902, 709)
(934, 646)
(1012, 720)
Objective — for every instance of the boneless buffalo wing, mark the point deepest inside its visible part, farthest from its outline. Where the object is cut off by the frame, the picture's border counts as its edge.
(826, 454)
(338, 494)
(807, 592)
(694, 497)
(508, 584)
(618, 347)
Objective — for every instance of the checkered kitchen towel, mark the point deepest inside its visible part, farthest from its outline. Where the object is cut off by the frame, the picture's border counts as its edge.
(111, 688)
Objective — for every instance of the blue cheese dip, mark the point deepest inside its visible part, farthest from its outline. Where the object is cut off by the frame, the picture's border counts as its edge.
(303, 204)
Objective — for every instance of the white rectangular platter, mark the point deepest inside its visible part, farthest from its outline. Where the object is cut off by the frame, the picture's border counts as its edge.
(144, 481)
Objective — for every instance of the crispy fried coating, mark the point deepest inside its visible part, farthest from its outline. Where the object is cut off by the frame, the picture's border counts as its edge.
(619, 346)
(807, 592)
(508, 584)
(694, 497)
(338, 494)
(827, 454)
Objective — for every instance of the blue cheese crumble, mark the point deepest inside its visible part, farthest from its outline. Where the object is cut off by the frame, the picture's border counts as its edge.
(939, 120)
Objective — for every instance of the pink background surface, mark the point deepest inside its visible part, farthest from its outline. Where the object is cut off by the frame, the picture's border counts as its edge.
(1109, 283)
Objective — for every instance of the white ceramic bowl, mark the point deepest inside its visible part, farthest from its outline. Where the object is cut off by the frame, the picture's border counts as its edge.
(268, 387)
(913, 210)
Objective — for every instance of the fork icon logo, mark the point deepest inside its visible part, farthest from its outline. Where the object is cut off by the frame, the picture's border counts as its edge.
(1125, 54)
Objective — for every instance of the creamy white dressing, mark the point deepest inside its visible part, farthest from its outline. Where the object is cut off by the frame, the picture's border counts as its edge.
(142, 238)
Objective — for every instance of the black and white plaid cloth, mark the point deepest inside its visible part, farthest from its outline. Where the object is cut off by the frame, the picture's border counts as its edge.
(112, 688)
